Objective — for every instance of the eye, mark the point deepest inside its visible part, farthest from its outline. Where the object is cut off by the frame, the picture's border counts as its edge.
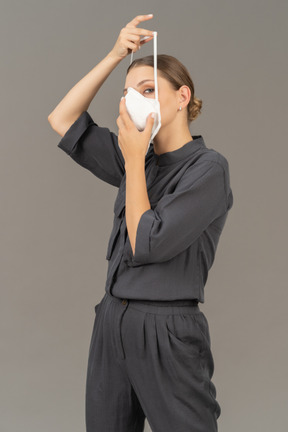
(149, 89)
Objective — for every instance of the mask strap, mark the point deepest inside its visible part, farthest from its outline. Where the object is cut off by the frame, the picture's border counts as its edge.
(155, 63)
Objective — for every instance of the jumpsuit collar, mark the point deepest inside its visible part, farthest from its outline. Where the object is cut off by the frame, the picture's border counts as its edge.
(179, 154)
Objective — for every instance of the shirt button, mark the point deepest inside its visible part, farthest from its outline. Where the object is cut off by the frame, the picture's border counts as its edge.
(124, 302)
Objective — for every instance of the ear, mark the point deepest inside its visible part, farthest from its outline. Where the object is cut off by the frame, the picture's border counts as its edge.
(184, 96)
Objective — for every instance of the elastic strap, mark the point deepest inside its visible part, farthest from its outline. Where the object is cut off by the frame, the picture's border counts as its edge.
(155, 63)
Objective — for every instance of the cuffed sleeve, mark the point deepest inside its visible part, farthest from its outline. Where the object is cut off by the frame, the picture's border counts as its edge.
(179, 218)
(94, 148)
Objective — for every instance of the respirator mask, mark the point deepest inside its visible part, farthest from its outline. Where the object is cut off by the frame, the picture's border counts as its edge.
(139, 107)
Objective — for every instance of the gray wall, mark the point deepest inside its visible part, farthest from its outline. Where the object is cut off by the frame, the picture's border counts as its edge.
(56, 217)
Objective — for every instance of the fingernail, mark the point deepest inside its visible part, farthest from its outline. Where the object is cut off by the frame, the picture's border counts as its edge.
(153, 115)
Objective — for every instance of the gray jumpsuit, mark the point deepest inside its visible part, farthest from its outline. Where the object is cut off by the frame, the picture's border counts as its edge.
(150, 351)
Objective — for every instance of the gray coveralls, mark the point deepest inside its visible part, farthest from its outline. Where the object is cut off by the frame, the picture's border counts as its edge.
(150, 351)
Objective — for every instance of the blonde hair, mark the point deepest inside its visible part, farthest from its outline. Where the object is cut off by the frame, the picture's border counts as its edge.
(177, 74)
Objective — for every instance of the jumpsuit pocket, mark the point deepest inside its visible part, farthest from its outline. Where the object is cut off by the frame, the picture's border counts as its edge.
(185, 333)
(118, 218)
(203, 326)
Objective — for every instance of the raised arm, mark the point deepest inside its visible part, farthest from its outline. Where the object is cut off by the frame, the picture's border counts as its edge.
(90, 145)
(80, 96)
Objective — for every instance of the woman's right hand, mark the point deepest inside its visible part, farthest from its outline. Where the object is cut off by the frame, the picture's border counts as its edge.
(129, 38)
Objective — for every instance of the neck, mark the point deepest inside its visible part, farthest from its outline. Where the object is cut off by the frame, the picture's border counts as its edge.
(171, 137)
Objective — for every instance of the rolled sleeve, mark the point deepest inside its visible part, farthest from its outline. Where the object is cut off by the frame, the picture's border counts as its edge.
(181, 217)
(94, 148)
(143, 236)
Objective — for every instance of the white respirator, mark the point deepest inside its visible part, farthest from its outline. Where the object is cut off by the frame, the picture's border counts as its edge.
(139, 107)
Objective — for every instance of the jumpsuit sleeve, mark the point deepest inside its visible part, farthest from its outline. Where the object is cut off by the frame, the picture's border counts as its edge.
(94, 148)
(202, 195)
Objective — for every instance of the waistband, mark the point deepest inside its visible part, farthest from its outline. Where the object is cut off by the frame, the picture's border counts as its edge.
(189, 302)
(157, 306)
(180, 302)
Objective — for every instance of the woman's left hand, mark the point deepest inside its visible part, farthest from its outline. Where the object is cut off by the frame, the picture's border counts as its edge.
(133, 143)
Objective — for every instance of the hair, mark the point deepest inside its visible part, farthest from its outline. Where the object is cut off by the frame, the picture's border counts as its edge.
(177, 74)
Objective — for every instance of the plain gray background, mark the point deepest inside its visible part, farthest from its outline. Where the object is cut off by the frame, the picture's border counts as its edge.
(56, 217)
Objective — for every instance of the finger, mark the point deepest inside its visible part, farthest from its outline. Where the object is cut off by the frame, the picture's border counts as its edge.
(133, 37)
(150, 122)
(135, 40)
(142, 42)
(133, 46)
(139, 18)
(125, 118)
(139, 31)
(120, 122)
(137, 37)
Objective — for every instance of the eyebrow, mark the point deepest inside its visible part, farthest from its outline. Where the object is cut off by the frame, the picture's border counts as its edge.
(141, 82)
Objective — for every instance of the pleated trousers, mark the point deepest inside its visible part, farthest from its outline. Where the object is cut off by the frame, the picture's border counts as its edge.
(150, 359)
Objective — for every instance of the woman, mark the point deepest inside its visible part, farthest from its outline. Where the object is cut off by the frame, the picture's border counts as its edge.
(150, 352)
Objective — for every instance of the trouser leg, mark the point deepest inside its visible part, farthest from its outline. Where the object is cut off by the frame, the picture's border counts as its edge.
(169, 362)
(111, 402)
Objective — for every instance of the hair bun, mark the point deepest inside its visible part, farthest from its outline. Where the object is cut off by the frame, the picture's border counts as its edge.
(194, 109)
